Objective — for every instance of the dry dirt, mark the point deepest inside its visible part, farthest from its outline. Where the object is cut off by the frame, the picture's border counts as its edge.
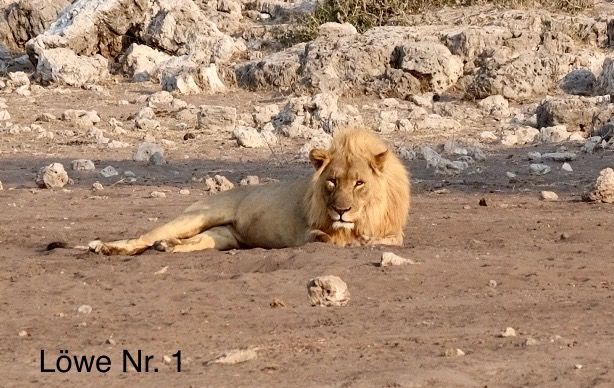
(554, 291)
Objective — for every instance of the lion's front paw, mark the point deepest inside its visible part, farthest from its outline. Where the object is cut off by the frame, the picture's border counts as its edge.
(317, 235)
(361, 241)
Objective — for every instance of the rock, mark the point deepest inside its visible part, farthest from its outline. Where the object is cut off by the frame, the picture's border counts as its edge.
(492, 283)
(520, 136)
(160, 100)
(184, 192)
(554, 134)
(157, 194)
(103, 26)
(26, 19)
(454, 352)
(591, 144)
(46, 117)
(52, 176)
(109, 172)
(441, 164)
(604, 84)
(577, 113)
(218, 183)
(603, 189)
(186, 77)
(143, 63)
(4, 115)
(549, 196)
(146, 150)
(22, 333)
(217, 118)
(535, 156)
(510, 175)
(62, 65)
(1, 187)
(509, 332)
(250, 180)
(566, 167)
(578, 82)
(236, 356)
(560, 156)
(390, 259)
(81, 118)
(83, 165)
(495, 106)
(264, 114)
(531, 342)
(84, 309)
(19, 79)
(319, 140)
(328, 291)
(336, 29)
(389, 61)
(156, 159)
(539, 169)
(251, 138)
(435, 122)
(97, 186)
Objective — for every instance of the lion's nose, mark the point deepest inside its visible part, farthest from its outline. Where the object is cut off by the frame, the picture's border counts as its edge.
(340, 211)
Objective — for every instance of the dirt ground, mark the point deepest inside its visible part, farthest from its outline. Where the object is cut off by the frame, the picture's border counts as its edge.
(553, 263)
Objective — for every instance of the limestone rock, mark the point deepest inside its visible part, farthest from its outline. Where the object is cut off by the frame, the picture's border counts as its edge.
(52, 176)
(549, 196)
(496, 106)
(555, 134)
(578, 113)
(146, 150)
(328, 291)
(390, 259)
(252, 138)
(142, 62)
(83, 165)
(64, 66)
(603, 189)
(217, 184)
(217, 118)
(236, 356)
(81, 118)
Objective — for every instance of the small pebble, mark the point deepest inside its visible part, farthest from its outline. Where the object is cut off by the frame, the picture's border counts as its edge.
(578, 366)
(539, 169)
(467, 207)
(276, 303)
(236, 356)
(157, 194)
(549, 196)
(83, 165)
(483, 202)
(111, 341)
(492, 283)
(97, 186)
(565, 236)
(167, 359)
(184, 192)
(566, 167)
(454, 352)
(509, 332)
(84, 309)
(189, 136)
(390, 259)
(23, 333)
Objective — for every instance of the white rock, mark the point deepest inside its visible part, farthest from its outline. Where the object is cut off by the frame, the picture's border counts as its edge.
(488, 136)
(157, 194)
(64, 66)
(566, 167)
(84, 309)
(555, 134)
(549, 196)
(81, 118)
(184, 192)
(160, 99)
(19, 79)
(4, 115)
(217, 118)
(509, 332)
(236, 356)
(535, 156)
(218, 183)
(1, 187)
(97, 186)
(251, 138)
(328, 291)
(52, 176)
(539, 169)
(250, 180)
(22, 333)
(454, 352)
(495, 106)
(146, 150)
(603, 189)
(336, 29)
(390, 259)
(108, 172)
(83, 165)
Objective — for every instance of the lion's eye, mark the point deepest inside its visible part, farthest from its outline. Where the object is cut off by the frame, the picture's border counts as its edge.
(332, 181)
(359, 183)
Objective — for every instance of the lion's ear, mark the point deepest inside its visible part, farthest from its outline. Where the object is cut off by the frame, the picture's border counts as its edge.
(318, 157)
(377, 163)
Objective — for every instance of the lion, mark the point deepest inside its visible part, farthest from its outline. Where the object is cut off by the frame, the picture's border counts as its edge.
(359, 194)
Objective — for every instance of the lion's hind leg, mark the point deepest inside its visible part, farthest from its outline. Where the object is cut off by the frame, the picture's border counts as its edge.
(220, 238)
(185, 226)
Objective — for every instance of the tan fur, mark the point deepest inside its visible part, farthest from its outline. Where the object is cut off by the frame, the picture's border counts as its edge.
(357, 176)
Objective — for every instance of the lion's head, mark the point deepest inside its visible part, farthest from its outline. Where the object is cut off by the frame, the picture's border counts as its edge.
(360, 188)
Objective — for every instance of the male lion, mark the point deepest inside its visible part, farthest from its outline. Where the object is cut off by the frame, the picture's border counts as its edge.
(359, 194)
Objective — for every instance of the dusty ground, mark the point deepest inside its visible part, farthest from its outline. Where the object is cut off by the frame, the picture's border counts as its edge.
(398, 324)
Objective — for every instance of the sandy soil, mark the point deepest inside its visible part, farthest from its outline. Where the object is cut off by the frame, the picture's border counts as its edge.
(553, 263)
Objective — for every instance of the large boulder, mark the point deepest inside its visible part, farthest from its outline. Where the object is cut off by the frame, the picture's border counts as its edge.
(62, 65)
(605, 82)
(25, 19)
(577, 113)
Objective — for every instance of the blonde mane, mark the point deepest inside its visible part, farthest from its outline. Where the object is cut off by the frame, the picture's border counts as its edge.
(386, 211)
